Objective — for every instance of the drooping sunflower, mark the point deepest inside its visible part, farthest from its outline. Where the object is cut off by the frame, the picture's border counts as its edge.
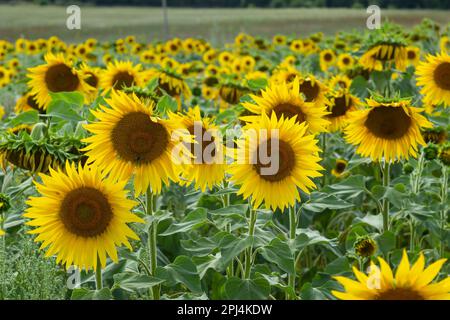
(392, 54)
(121, 74)
(286, 101)
(128, 140)
(173, 84)
(342, 103)
(207, 168)
(409, 283)
(293, 159)
(57, 75)
(389, 129)
(81, 217)
(434, 76)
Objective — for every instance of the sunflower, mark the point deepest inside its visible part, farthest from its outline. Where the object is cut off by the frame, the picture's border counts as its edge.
(339, 168)
(121, 74)
(313, 91)
(413, 55)
(339, 81)
(341, 105)
(80, 217)
(327, 59)
(434, 76)
(410, 282)
(276, 183)
(385, 53)
(286, 102)
(173, 84)
(444, 44)
(389, 129)
(129, 140)
(345, 61)
(27, 102)
(92, 75)
(207, 169)
(57, 75)
(285, 74)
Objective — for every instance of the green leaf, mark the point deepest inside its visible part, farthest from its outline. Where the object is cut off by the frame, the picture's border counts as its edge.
(372, 220)
(231, 247)
(359, 87)
(66, 105)
(86, 294)
(320, 202)
(72, 98)
(131, 281)
(239, 209)
(280, 254)
(307, 237)
(28, 117)
(193, 220)
(257, 84)
(248, 289)
(386, 242)
(349, 188)
(184, 271)
(165, 104)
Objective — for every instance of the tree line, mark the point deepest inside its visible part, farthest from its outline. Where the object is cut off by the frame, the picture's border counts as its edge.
(434, 4)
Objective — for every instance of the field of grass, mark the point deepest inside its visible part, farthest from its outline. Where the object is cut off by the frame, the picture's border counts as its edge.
(217, 25)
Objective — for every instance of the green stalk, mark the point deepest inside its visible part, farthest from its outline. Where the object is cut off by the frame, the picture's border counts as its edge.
(249, 251)
(152, 247)
(3, 258)
(386, 173)
(443, 215)
(324, 149)
(98, 275)
(292, 230)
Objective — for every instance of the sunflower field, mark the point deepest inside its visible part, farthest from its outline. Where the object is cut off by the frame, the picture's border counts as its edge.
(293, 168)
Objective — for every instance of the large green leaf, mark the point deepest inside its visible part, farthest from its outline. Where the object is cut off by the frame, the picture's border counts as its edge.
(131, 281)
(248, 289)
(28, 117)
(320, 202)
(66, 105)
(193, 220)
(279, 253)
(184, 271)
(86, 294)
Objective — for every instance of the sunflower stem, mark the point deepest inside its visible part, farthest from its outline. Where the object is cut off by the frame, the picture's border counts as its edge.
(324, 149)
(3, 257)
(292, 235)
(444, 210)
(386, 176)
(152, 247)
(249, 251)
(98, 275)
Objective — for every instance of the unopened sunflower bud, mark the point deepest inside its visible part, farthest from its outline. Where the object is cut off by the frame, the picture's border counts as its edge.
(365, 246)
(431, 152)
(5, 203)
(408, 168)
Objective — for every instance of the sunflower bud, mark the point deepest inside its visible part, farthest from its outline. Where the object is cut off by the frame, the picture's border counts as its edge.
(444, 154)
(408, 168)
(365, 246)
(5, 203)
(431, 152)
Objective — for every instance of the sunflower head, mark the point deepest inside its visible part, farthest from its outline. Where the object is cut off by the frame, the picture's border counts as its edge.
(433, 75)
(129, 140)
(365, 246)
(437, 135)
(121, 74)
(339, 168)
(409, 283)
(81, 217)
(444, 154)
(388, 128)
(275, 158)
